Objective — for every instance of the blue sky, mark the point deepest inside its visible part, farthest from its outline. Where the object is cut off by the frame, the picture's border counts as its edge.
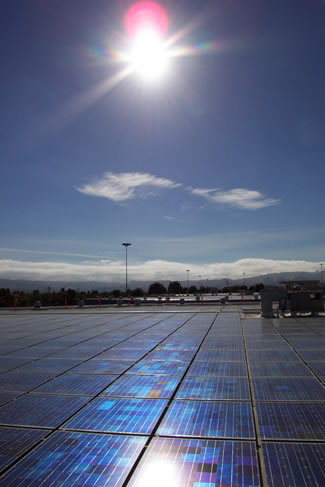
(217, 168)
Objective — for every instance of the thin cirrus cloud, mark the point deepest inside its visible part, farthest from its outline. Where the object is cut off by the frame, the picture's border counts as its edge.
(125, 186)
(245, 199)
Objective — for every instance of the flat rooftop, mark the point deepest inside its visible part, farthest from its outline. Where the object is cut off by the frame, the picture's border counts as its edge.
(176, 398)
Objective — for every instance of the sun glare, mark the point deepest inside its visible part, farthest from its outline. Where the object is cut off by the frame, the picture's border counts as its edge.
(149, 57)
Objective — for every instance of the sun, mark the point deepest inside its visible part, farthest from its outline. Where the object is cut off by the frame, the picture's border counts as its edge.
(149, 57)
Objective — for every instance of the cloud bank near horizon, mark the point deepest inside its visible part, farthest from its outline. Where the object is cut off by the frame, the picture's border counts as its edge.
(125, 186)
(151, 270)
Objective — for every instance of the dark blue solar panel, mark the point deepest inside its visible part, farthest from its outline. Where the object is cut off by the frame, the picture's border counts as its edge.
(77, 459)
(151, 367)
(197, 463)
(236, 369)
(37, 410)
(287, 389)
(15, 441)
(313, 355)
(172, 355)
(49, 364)
(267, 344)
(22, 382)
(102, 367)
(76, 354)
(118, 354)
(214, 388)
(118, 415)
(77, 384)
(152, 387)
(208, 419)
(294, 464)
(9, 363)
(220, 355)
(278, 369)
(33, 352)
(317, 367)
(272, 356)
(6, 397)
(284, 420)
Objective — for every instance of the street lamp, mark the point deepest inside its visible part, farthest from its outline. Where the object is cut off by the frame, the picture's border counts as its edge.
(188, 279)
(321, 273)
(126, 244)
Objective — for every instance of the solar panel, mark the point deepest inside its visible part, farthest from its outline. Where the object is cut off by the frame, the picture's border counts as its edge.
(268, 345)
(75, 353)
(77, 384)
(37, 410)
(75, 459)
(284, 389)
(210, 388)
(33, 352)
(313, 355)
(93, 366)
(208, 419)
(6, 397)
(278, 369)
(152, 387)
(22, 382)
(220, 355)
(118, 415)
(15, 441)
(294, 464)
(171, 355)
(295, 421)
(9, 363)
(197, 463)
(118, 354)
(237, 369)
(150, 367)
(317, 367)
(272, 356)
(49, 364)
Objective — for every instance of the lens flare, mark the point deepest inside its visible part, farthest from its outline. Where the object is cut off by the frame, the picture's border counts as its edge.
(144, 16)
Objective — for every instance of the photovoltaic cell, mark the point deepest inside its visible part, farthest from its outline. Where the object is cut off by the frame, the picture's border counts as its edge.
(171, 355)
(118, 354)
(284, 389)
(77, 459)
(208, 419)
(9, 363)
(313, 355)
(102, 367)
(230, 369)
(33, 352)
(77, 384)
(15, 441)
(118, 415)
(49, 365)
(317, 367)
(208, 388)
(272, 356)
(295, 421)
(294, 464)
(6, 397)
(151, 387)
(151, 367)
(197, 463)
(278, 369)
(37, 410)
(220, 355)
(22, 382)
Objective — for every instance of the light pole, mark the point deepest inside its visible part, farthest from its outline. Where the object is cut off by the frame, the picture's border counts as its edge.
(321, 273)
(126, 245)
(188, 279)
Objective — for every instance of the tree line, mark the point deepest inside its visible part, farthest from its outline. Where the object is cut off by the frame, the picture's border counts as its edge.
(72, 297)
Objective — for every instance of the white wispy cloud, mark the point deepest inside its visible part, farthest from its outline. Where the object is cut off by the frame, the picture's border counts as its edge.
(126, 185)
(238, 197)
(108, 271)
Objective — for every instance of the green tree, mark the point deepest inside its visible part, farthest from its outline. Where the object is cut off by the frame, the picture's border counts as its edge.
(174, 287)
(157, 288)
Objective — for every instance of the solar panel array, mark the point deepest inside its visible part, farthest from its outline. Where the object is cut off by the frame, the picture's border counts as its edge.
(179, 399)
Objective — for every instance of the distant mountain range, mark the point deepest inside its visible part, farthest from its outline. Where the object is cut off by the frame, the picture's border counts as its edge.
(43, 286)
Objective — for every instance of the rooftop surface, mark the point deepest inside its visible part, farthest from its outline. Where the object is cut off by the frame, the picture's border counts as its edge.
(169, 398)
